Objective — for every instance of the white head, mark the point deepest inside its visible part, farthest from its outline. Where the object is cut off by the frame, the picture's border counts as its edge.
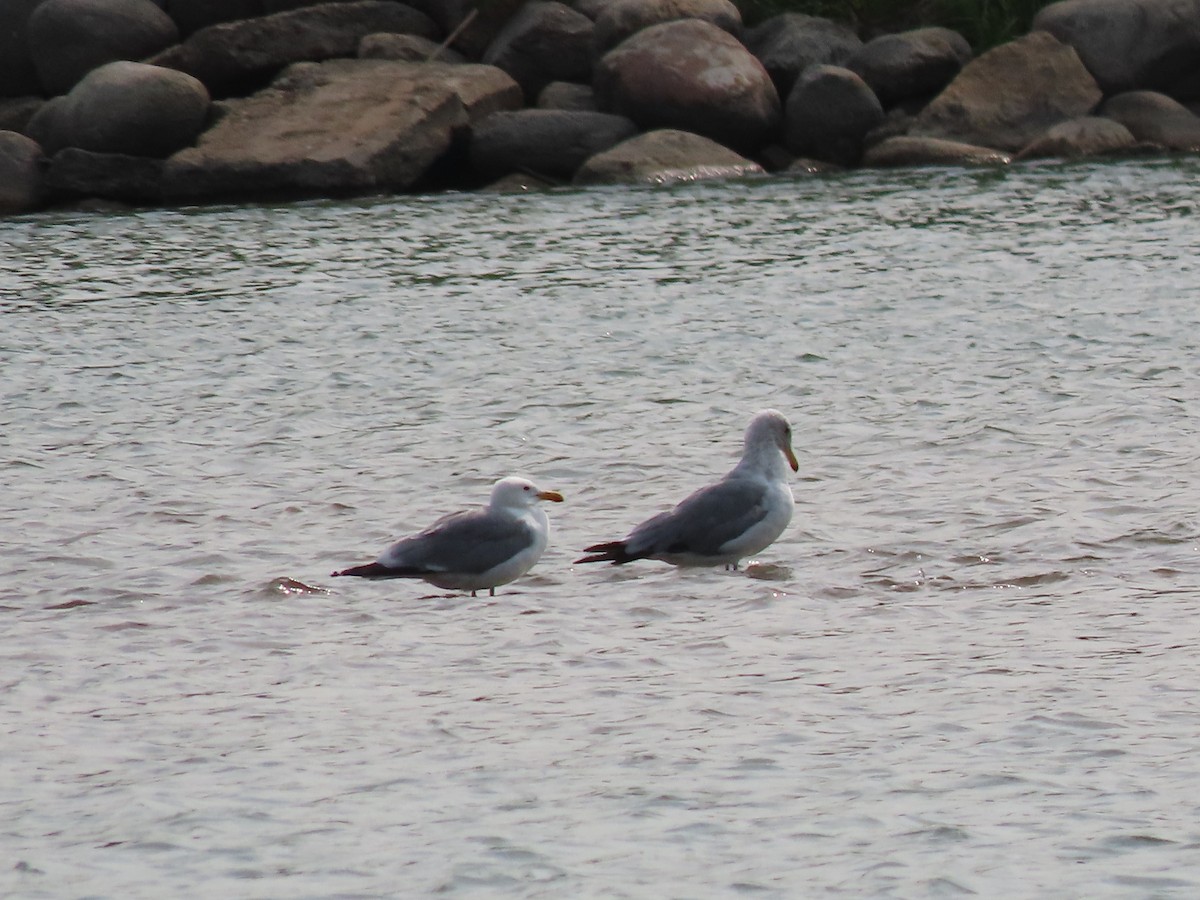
(769, 430)
(520, 493)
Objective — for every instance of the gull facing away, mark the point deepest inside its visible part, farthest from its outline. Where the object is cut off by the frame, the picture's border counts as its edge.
(740, 515)
(476, 549)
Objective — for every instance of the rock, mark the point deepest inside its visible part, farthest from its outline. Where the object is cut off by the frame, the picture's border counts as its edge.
(544, 42)
(590, 8)
(566, 95)
(15, 112)
(662, 157)
(620, 19)
(788, 44)
(1155, 118)
(18, 77)
(690, 75)
(69, 38)
(828, 115)
(235, 56)
(20, 173)
(1080, 138)
(127, 108)
(912, 63)
(192, 15)
(549, 143)
(337, 127)
(1129, 44)
(1011, 95)
(918, 151)
(108, 176)
(406, 47)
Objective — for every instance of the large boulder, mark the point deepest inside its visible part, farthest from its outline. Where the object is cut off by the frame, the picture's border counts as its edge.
(693, 76)
(1011, 94)
(1155, 118)
(18, 77)
(911, 63)
(544, 42)
(1081, 138)
(1129, 44)
(20, 173)
(79, 173)
(789, 43)
(69, 38)
(234, 57)
(828, 115)
(620, 19)
(341, 126)
(904, 151)
(550, 143)
(126, 108)
(663, 157)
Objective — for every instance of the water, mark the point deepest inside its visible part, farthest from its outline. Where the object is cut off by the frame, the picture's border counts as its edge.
(968, 668)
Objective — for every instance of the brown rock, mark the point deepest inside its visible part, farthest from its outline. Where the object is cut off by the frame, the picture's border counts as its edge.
(693, 76)
(341, 126)
(898, 152)
(1011, 95)
(1080, 138)
(662, 157)
(1156, 118)
(620, 19)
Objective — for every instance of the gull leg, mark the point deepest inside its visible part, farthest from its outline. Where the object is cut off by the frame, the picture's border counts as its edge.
(491, 592)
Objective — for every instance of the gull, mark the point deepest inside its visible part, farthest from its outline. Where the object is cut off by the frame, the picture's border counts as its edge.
(476, 549)
(723, 523)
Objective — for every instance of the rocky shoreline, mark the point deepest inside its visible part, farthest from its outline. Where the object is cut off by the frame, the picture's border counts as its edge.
(201, 101)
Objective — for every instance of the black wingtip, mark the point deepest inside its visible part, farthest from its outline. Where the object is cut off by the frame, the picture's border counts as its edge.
(377, 570)
(612, 551)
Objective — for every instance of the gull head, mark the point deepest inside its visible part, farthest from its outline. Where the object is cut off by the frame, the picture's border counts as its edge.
(520, 493)
(770, 428)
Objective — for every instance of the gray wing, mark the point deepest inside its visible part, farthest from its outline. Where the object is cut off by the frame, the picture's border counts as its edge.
(704, 522)
(463, 542)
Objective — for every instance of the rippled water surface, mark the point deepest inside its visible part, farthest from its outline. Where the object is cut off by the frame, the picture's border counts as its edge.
(969, 667)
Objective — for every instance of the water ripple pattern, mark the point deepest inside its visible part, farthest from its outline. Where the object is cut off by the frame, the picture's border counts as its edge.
(968, 668)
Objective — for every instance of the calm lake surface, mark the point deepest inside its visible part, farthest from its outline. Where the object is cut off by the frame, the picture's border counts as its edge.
(968, 668)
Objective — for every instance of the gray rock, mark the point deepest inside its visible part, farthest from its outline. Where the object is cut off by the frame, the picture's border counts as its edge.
(544, 42)
(1129, 44)
(15, 112)
(69, 38)
(788, 44)
(406, 47)
(20, 173)
(1011, 95)
(18, 77)
(828, 115)
(108, 176)
(590, 8)
(904, 151)
(550, 143)
(567, 95)
(912, 63)
(663, 157)
(620, 19)
(127, 108)
(472, 24)
(234, 56)
(1155, 118)
(341, 126)
(693, 76)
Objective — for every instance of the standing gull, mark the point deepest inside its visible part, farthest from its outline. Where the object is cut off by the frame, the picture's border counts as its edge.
(723, 523)
(473, 550)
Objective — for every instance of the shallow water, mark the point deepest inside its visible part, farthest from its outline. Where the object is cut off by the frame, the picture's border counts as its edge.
(968, 667)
